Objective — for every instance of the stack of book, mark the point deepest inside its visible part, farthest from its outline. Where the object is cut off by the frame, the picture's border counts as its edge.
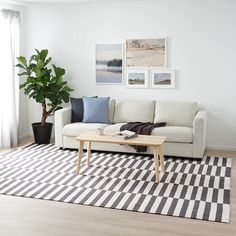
(125, 134)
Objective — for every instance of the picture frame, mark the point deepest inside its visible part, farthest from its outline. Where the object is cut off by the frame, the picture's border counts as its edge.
(162, 78)
(146, 52)
(109, 63)
(137, 78)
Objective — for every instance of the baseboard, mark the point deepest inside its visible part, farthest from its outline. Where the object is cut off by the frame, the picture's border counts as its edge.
(25, 137)
(221, 148)
(31, 137)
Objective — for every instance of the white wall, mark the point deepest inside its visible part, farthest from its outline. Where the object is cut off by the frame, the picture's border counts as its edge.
(202, 48)
(24, 106)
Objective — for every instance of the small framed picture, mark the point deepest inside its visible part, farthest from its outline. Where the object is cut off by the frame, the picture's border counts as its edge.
(162, 78)
(136, 78)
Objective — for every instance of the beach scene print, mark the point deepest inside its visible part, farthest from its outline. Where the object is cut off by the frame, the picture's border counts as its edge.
(162, 78)
(136, 78)
(109, 63)
(146, 53)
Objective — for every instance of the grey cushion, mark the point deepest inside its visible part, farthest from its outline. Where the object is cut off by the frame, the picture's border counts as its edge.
(96, 110)
(175, 134)
(111, 110)
(75, 129)
(111, 129)
(77, 109)
(134, 110)
(176, 113)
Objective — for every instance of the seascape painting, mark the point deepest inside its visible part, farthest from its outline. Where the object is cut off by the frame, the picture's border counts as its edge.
(109, 63)
(137, 78)
(163, 78)
(146, 52)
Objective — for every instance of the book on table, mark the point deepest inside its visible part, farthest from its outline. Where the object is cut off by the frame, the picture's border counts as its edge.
(125, 134)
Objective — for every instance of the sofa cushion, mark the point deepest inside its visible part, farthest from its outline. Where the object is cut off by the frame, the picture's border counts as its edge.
(175, 133)
(113, 128)
(77, 109)
(176, 113)
(134, 110)
(74, 129)
(111, 110)
(96, 110)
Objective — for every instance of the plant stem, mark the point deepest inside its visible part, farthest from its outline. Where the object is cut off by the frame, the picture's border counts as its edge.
(44, 115)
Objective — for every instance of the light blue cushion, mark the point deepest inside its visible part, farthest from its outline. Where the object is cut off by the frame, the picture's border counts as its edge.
(96, 110)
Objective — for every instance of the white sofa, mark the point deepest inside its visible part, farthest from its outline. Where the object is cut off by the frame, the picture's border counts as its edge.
(185, 129)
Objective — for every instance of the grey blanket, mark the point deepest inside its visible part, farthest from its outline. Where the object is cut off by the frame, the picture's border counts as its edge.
(144, 128)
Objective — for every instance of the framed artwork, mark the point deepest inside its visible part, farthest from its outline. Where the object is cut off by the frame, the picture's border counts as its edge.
(146, 52)
(162, 78)
(136, 78)
(109, 63)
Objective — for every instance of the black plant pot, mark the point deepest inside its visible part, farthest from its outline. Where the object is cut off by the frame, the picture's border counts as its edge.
(42, 134)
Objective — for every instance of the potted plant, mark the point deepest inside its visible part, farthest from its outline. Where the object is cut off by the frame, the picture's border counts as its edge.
(45, 86)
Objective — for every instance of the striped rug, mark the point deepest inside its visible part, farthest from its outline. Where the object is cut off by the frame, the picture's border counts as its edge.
(197, 189)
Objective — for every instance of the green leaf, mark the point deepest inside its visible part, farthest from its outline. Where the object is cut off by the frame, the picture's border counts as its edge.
(32, 58)
(43, 54)
(22, 61)
(30, 80)
(39, 83)
(47, 61)
(37, 72)
(67, 89)
(23, 73)
(37, 51)
(28, 90)
(32, 94)
(59, 72)
(52, 97)
(20, 66)
(40, 63)
(23, 85)
(39, 98)
(31, 66)
(58, 108)
(64, 96)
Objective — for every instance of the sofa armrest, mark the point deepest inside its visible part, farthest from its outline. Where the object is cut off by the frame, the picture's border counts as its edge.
(199, 133)
(62, 118)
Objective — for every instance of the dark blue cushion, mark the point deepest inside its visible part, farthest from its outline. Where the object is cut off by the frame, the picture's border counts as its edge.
(77, 109)
(96, 110)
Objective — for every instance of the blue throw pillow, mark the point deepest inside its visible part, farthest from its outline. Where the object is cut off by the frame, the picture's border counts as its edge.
(96, 110)
(77, 109)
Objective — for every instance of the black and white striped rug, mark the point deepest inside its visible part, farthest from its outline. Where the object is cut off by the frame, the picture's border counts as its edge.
(197, 189)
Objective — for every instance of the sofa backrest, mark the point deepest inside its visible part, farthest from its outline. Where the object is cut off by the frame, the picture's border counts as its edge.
(176, 113)
(111, 110)
(134, 110)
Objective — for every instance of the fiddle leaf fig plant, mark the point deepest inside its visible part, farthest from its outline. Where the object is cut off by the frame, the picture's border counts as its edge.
(43, 83)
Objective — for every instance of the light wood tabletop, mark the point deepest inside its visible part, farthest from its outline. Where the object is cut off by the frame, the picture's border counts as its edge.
(156, 142)
(144, 140)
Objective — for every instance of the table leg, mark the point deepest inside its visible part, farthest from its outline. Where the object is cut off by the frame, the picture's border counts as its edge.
(80, 155)
(161, 158)
(88, 152)
(156, 163)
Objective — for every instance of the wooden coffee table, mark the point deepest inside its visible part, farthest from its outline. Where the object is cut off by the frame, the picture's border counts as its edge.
(156, 142)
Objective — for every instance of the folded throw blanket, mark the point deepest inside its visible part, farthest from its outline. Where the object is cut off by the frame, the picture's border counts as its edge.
(144, 128)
